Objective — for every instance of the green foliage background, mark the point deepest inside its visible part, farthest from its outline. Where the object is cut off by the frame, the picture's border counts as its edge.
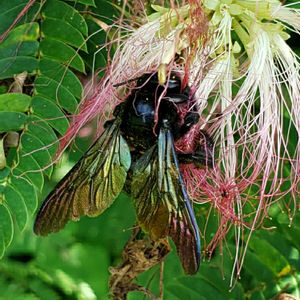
(56, 42)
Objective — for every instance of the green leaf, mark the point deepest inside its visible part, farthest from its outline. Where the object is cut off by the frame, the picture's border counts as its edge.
(10, 66)
(282, 243)
(54, 90)
(26, 189)
(254, 266)
(179, 291)
(293, 235)
(11, 121)
(29, 169)
(43, 291)
(217, 280)
(211, 4)
(63, 11)
(15, 102)
(16, 205)
(95, 59)
(59, 51)
(110, 9)
(50, 112)
(14, 56)
(22, 41)
(87, 2)
(290, 284)
(39, 128)
(9, 11)
(20, 49)
(66, 77)
(3, 162)
(32, 146)
(3, 89)
(23, 33)
(2, 244)
(60, 30)
(268, 255)
(6, 228)
(208, 281)
(4, 173)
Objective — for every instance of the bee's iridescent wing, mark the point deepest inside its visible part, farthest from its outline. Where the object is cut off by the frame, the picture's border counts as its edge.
(91, 186)
(162, 203)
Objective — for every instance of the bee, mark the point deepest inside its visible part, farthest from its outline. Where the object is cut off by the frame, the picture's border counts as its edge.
(136, 152)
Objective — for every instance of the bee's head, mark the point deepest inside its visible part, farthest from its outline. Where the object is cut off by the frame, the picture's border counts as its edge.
(172, 88)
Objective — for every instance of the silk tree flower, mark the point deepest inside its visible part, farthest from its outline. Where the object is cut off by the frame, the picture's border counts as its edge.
(251, 92)
(150, 48)
(245, 80)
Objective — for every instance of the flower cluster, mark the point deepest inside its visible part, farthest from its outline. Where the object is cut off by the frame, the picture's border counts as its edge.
(250, 94)
(245, 79)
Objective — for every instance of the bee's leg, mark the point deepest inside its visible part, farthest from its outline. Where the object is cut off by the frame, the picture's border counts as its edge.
(108, 123)
(190, 120)
(199, 158)
(203, 154)
(118, 111)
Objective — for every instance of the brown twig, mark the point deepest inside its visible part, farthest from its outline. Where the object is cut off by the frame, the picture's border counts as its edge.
(139, 255)
(161, 280)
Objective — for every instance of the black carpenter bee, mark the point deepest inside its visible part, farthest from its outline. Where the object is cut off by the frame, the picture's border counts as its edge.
(135, 147)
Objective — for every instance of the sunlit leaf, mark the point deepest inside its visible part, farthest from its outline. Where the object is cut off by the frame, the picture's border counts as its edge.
(23, 33)
(15, 102)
